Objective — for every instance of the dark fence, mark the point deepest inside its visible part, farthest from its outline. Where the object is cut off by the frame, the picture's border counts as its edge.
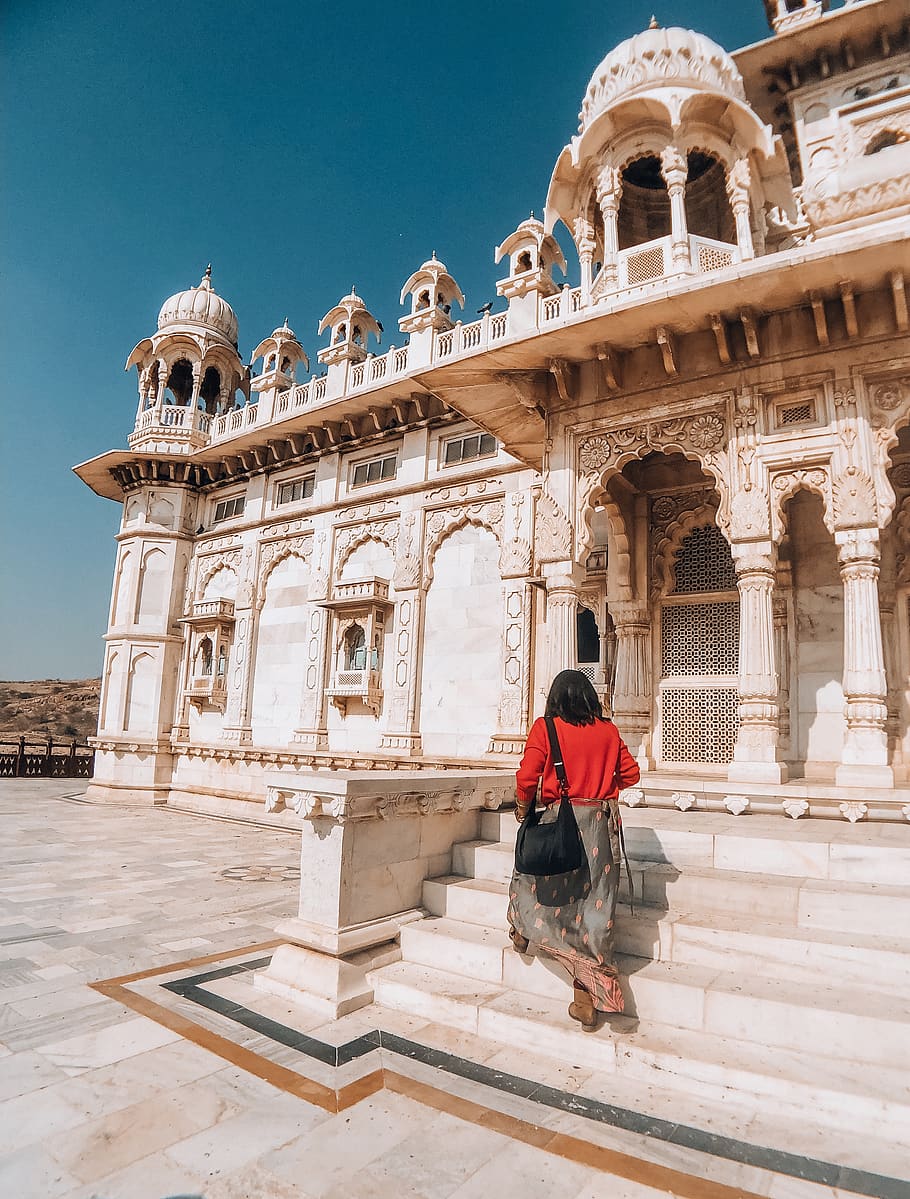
(24, 759)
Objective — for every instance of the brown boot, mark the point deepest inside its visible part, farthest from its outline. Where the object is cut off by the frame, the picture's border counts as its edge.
(519, 942)
(583, 1009)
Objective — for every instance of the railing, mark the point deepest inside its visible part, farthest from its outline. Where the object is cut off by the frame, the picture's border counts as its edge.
(711, 255)
(214, 608)
(561, 306)
(42, 760)
(645, 263)
(170, 417)
(636, 267)
(355, 682)
(372, 589)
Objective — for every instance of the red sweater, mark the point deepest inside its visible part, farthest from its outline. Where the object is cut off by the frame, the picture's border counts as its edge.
(598, 764)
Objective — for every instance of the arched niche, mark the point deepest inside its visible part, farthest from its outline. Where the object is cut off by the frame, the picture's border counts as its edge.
(153, 593)
(462, 648)
(141, 692)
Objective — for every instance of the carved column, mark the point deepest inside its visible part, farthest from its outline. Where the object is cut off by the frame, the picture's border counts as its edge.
(864, 758)
(197, 385)
(563, 591)
(237, 725)
(311, 731)
(162, 384)
(586, 246)
(633, 683)
(755, 756)
(609, 190)
(782, 662)
(674, 168)
(739, 178)
(402, 731)
(511, 732)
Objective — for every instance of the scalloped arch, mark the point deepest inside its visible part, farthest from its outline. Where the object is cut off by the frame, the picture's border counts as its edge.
(664, 577)
(784, 487)
(289, 551)
(460, 522)
(211, 570)
(371, 533)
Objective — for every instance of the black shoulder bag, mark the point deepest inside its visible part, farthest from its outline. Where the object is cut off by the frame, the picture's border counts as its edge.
(555, 847)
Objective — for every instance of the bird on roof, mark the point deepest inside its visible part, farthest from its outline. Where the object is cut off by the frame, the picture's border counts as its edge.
(485, 307)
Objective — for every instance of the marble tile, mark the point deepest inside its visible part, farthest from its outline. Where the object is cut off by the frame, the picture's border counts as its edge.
(107, 1045)
(24, 1072)
(525, 1171)
(238, 1141)
(338, 1149)
(103, 1146)
(150, 1178)
(31, 1173)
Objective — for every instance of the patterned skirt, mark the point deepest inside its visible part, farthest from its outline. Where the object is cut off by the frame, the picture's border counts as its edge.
(569, 917)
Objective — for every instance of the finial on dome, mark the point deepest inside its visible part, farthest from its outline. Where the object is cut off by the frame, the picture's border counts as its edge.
(653, 23)
(208, 271)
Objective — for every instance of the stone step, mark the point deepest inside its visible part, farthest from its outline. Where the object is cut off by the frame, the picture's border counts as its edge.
(734, 942)
(786, 1082)
(819, 849)
(856, 1021)
(808, 903)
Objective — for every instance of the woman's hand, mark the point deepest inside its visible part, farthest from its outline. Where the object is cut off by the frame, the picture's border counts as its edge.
(521, 810)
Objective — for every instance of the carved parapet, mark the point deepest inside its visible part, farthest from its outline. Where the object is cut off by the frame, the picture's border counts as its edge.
(344, 799)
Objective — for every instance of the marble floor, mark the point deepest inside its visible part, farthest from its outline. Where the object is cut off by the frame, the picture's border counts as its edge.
(138, 1061)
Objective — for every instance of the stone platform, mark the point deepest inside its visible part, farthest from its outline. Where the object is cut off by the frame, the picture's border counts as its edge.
(138, 1060)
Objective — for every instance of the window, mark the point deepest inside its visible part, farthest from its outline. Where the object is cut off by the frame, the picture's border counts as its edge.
(225, 509)
(355, 648)
(374, 470)
(463, 449)
(297, 489)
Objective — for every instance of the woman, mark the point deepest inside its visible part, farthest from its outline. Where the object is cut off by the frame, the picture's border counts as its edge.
(570, 916)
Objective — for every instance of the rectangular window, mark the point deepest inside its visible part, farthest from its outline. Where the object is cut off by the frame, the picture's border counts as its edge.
(225, 509)
(463, 449)
(374, 470)
(297, 489)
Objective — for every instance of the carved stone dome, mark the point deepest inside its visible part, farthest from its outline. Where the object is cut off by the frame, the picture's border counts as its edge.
(200, 306)
(660, 58)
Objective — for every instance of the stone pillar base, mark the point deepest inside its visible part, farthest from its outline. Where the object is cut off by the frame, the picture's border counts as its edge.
(402, 743)
(507, 743)
(311, 738)
(237, 735)
(326, 968)
(331, 986)
(758, 772)
(132, 793)
(854, 775)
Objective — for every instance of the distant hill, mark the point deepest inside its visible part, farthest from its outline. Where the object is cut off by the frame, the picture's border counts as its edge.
(58, 708)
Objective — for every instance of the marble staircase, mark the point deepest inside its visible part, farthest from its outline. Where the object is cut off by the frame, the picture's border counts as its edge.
(767, 965)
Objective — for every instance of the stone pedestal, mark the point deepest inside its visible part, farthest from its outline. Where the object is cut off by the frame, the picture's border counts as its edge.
(369, 839)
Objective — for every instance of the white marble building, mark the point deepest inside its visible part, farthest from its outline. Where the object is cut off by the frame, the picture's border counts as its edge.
(689, 474)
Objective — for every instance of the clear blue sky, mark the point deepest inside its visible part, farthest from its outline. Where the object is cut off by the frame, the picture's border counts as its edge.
(299, 147)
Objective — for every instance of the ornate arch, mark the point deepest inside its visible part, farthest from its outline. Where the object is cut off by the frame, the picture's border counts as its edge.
(702, 437)
(386, 532)
(666, 546)
(620, 568)
(209, 567)
(785, 484)
(275, 552)
(486, 515)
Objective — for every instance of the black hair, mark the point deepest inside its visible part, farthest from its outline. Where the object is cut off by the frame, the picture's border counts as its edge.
(573, 699)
